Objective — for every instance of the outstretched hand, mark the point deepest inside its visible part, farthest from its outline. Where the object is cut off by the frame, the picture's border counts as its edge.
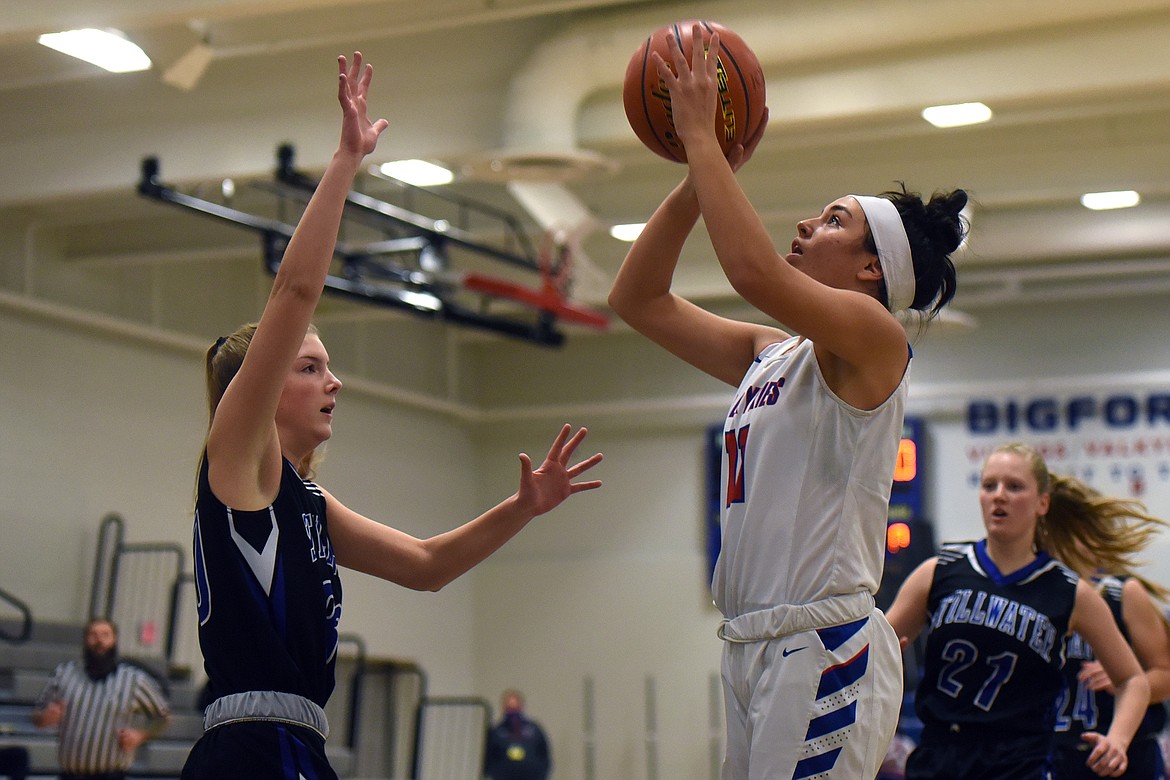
(546, 487)
(358, 133)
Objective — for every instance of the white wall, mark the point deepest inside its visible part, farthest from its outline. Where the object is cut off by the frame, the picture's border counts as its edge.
(92, 423)
(89, 425)
(611, 586)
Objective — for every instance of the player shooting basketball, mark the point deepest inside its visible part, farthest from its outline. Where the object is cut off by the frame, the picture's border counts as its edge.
(811, 669)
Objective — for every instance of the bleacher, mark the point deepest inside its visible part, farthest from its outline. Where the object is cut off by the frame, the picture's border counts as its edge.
(383, 725)
(375, 713)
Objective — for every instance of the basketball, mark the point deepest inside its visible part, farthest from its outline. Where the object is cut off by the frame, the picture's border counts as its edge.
(741, 90)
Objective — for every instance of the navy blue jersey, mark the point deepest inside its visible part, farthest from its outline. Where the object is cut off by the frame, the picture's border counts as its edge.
(996, 643)
(1079, 709)
(269, 595)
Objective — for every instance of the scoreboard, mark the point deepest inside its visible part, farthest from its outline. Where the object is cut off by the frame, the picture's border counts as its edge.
(906, 492)
(909, 536)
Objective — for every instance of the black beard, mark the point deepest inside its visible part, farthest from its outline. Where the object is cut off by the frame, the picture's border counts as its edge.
(99, 665)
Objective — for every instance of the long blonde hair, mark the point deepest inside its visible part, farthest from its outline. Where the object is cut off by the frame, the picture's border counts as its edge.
(222, 363)
(1089, 531)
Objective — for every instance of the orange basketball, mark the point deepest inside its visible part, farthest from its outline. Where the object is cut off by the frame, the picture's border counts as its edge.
(741, 90)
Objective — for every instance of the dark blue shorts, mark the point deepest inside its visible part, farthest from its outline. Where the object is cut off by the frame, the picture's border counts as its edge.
(258, 750)
(1145, 761)
(998, 757)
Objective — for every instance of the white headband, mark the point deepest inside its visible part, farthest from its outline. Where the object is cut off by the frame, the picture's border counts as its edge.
(893, 249)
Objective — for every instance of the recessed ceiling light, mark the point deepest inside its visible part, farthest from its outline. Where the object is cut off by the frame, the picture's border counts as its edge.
(108, 49)
(1119, 199)
(420, 173)
(627, 232)
(957, 114)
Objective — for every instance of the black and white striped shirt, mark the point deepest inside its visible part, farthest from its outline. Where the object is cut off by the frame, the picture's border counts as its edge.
(94, 712)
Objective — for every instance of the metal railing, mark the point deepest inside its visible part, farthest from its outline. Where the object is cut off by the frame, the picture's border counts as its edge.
(26, 619)
(451, 738)
(144, 586)
(134, 585)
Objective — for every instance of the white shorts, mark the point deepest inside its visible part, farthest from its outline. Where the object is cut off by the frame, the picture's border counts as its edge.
(817, 703)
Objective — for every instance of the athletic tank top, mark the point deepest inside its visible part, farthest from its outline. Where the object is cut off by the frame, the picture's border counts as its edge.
(806, 484)
(268, 592)
(1078, 709)
(996, 643)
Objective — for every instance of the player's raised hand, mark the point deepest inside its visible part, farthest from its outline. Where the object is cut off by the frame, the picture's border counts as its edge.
(358, 133)
(693, 85)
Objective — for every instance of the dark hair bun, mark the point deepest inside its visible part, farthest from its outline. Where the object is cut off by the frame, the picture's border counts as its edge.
(934, 229)
(944, 224)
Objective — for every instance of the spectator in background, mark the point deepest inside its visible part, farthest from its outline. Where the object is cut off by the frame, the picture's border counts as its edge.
(94, 703)
(517, 748)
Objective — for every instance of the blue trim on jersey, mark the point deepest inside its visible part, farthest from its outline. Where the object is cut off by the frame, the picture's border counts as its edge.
(999, 578)
(296, 760)
(835, 636)
(837, 678)
(288, 763)
(815, 765)
(305, 760)
(202, 586)
(832, 721)
(277, 601)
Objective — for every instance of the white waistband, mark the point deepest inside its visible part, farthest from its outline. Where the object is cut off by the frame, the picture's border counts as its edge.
(266, 705)
(788, 619)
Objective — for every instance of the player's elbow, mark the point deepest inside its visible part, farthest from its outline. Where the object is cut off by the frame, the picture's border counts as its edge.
(440, 579)
(746, 276)
(427, 585)
(1135, 686)
(622, 303)
(430, 576)
(300, 289)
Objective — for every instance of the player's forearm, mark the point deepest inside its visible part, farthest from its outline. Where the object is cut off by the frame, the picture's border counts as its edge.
(648, 269)
(1133, 697)
(307, 256)
(742, 243)
(457, 551)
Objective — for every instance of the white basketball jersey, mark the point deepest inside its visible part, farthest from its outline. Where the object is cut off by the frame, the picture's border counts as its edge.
(806, 486)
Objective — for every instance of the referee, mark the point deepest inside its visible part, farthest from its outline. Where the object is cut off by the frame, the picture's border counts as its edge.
(94, 703)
